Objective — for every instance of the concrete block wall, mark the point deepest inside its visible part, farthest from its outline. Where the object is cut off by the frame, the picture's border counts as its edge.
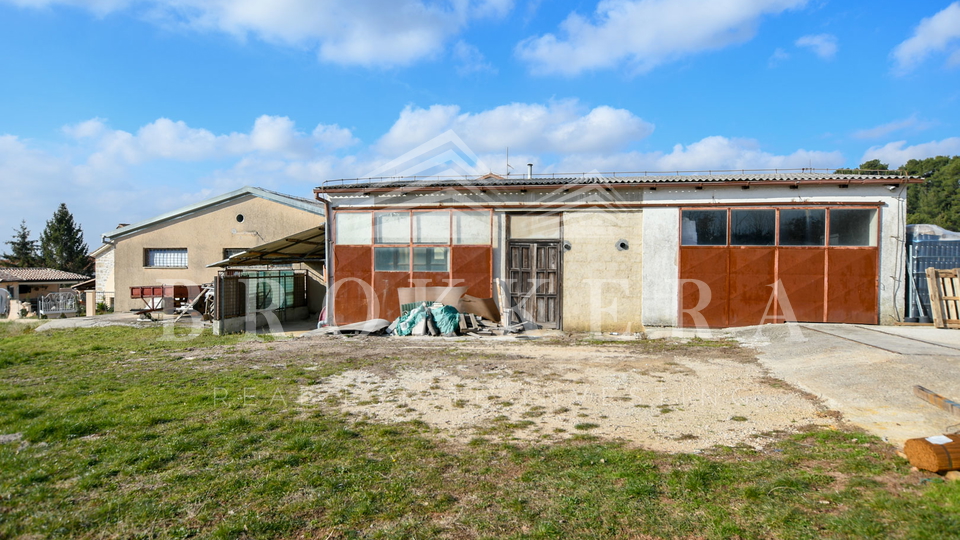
(602, 286)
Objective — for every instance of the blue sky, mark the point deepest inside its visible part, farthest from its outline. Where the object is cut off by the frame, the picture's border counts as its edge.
(125, 109)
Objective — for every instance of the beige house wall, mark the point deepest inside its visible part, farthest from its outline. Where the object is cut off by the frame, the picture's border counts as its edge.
(602, 286)
(205, 234)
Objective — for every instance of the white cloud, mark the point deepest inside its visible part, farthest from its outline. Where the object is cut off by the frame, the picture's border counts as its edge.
(110, 175)
(710, 153)
(897, 153)
(333, 136)
(359, 32)
(912, 123)
(87, 129)
(939, 33)
(823, 45)
(553, 128)
(778, 57)
(471, 60)
(643, 34)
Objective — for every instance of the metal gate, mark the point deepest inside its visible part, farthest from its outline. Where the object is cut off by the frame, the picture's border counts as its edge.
(534, 270)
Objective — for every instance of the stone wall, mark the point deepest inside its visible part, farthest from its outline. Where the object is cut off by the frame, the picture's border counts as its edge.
(104, 274)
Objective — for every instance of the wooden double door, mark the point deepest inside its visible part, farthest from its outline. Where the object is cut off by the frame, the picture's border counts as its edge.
(534, 271)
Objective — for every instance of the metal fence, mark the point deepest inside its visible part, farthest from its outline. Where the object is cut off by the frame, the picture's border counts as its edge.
(274, 290)
(924, 251)
(58, 303)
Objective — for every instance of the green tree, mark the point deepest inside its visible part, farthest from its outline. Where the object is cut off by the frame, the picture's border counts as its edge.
(937, 199)
(874, 167)
(61, 244)
(23, 250)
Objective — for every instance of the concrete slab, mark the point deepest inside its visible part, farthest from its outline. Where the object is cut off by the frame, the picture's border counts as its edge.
(111, 319)
(866, 372)
(897, 342)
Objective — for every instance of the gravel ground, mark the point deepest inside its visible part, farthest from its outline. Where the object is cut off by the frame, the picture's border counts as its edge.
(681, 400)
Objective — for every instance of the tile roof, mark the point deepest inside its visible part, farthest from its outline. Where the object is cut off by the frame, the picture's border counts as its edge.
(645, 179)
(38, 274)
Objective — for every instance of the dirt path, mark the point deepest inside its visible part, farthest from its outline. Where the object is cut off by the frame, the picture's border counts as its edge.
(661, 396)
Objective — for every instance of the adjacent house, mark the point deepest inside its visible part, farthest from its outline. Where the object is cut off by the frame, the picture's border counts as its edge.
(616, 253)
(28, 285)
(178, 247)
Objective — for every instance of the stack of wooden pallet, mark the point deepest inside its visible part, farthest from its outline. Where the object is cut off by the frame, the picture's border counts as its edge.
(944, 286)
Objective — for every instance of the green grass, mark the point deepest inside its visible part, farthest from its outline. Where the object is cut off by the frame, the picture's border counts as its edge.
(129, 436)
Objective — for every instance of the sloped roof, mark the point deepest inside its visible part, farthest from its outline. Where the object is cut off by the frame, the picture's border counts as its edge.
(300, 203)
(304, 246)
(493, 181)
(38, 274)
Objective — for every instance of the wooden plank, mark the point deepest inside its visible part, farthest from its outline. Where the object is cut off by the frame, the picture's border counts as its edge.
(933, 285)
(937, 400)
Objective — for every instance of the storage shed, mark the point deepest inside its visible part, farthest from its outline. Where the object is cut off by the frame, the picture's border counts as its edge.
(616, 253)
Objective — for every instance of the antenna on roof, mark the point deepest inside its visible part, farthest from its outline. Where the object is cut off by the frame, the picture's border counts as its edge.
(508, 161)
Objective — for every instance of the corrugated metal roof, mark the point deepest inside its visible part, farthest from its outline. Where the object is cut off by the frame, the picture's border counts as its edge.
(492, 181)
(304, 246)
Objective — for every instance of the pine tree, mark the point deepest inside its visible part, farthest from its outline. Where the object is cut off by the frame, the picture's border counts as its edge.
(23, 250)
(61, 244)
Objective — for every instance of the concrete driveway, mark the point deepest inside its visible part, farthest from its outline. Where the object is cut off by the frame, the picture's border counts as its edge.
(867, 372)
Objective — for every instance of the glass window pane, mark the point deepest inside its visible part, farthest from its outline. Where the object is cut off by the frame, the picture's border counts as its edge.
(431, 227)
(471, 228)
(354, 228)
(392, 228)
(752, 227)
(166, 258)
(390, 259)
(853, 227)
(704, 228)
(802, 227)
(431, 259)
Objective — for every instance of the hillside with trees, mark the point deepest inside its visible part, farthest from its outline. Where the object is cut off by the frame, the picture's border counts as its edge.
(937, 199)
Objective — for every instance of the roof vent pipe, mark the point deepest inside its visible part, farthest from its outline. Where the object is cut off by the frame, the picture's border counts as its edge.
(529, 170)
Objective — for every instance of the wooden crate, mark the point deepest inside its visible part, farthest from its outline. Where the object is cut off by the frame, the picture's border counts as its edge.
(944, 286)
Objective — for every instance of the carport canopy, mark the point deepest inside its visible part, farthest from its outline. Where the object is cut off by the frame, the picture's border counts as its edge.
(302, 247)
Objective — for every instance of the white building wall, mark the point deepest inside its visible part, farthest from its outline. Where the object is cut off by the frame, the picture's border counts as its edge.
(660, 227)
(661, 259)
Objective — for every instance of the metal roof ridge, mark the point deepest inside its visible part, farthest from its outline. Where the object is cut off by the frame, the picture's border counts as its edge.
(289, 200)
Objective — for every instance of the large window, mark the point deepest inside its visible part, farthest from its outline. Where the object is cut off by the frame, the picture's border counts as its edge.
(704, 228)
(835, 227)
(391, 259)
(392, 228)
(431, 227)
(471, 227)
(753, 227)
(417, 227)
(853, 227)
(165, 258)
(414, 240)
(802, 227)
(431, 259)
(354, 228)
